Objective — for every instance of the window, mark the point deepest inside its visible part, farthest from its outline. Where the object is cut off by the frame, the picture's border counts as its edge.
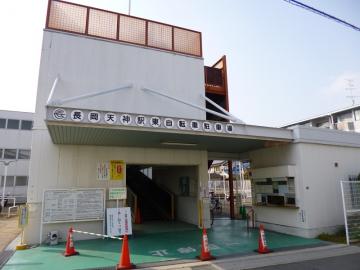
(9, 181)
(21, 181)
(1, 153)
(26, 125)
(13, 124)
(24, 154)
(10, 154)
(2, 123)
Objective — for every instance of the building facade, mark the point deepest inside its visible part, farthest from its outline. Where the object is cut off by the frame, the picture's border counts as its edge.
(15, 138)
(347, 119)
(117, 89)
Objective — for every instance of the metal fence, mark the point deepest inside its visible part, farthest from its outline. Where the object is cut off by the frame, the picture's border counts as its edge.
(79, 19)
(351, 202)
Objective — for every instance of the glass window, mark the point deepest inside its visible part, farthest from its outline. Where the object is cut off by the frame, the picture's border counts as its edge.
(21, 181)
(9, 181)
(10, 154)
(1, 153)
(13, 124)
(26, 125)
(2, 123)
(24, 154)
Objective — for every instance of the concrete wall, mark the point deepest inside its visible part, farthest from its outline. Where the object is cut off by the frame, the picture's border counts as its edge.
(169, 177)
(315, 154)
(285, 220)
(72, 166)
(85, 65)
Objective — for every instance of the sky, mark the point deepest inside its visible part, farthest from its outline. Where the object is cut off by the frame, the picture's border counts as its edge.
(284, 63)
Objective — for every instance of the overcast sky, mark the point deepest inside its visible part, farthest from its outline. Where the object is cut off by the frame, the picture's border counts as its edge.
(284, 63)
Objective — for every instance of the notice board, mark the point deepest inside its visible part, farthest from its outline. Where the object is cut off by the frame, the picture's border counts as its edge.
(62, 205)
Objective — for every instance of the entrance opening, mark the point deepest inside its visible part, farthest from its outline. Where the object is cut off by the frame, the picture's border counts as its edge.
(221, 188)
(162, 198)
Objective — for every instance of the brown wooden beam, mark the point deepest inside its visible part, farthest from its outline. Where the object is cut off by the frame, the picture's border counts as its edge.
(231, 190)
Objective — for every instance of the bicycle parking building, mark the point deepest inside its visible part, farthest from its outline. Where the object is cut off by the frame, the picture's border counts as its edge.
(128, 108)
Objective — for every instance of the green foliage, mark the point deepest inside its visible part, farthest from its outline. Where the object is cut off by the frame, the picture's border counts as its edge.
(338, 237)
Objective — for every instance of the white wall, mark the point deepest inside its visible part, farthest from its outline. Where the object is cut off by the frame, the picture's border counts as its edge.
(317, 179)
(280, 156)
(86, 65)
(168, 177)
(323, 200)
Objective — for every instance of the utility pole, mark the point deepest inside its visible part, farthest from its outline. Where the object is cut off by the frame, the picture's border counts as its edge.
(351, 88)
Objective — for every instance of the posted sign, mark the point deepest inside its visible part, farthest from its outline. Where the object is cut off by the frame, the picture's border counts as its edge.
(23, 216)
(117, 168)
(117, 193)
(118, 221)
(111, 170)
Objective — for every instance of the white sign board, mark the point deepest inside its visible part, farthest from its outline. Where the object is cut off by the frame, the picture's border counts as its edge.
(117, 193)
(118, 221)
(63, 205)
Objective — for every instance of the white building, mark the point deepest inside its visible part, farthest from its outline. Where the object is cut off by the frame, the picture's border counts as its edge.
(113, 87)
(347, 119)
(15, 144)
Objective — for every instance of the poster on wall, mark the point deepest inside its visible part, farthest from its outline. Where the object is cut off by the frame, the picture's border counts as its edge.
(118, 221)
(103, 171)
(111, 170)
(117, 170)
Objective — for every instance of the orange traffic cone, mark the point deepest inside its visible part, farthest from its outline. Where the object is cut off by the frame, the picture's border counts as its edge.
(137, 216)
(262, 241)
(124, 262)
(205, 252)
(69, 248)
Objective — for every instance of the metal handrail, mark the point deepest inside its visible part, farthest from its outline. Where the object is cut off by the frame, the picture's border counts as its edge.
(134, 211)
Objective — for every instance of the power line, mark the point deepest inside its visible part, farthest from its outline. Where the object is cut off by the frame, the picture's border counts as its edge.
(321, 13)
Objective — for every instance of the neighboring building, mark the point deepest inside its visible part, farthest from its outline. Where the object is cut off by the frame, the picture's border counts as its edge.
(115, 88)
(347, 119)
(15, 144)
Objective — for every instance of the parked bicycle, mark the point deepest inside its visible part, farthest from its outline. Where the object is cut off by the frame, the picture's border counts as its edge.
(215, 207)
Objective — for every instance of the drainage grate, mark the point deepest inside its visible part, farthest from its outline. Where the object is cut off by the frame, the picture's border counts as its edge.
(5, 256)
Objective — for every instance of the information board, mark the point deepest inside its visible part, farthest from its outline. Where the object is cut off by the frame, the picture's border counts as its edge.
(118, 221)
(117, 193)
(63, 205)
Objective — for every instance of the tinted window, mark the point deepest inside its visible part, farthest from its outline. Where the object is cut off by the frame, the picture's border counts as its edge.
(2, 123)
(10, 154)
(24, 154)
(26, 125)
(13, 124)
(9, 181)
(21, 181)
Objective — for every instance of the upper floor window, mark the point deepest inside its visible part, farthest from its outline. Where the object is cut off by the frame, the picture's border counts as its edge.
(13, 124)
(2, 123)
(24, 154)
(21, 181)
(10, 154)
(26, 124)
